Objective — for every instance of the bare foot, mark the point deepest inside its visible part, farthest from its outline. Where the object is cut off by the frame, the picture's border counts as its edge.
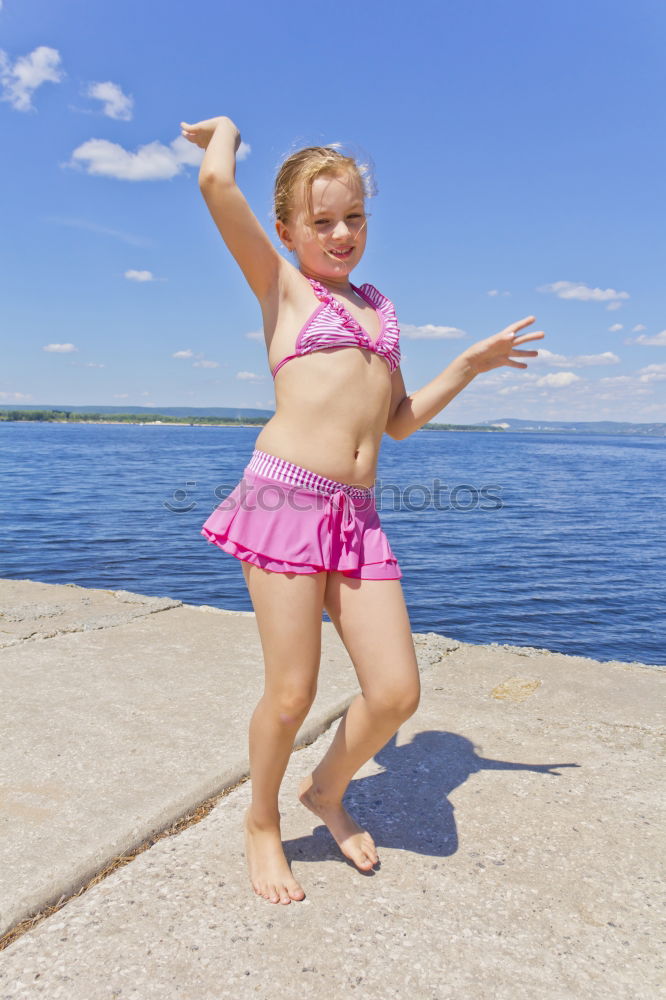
(354, 842)
(270, 874)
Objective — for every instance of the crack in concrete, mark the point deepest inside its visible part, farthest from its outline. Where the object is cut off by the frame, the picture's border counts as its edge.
(37, 635)
(192, 815)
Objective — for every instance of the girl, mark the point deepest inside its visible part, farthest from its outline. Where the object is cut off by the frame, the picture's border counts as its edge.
(303, 520)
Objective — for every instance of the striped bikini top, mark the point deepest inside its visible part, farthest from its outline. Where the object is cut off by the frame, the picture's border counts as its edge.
(331, 325)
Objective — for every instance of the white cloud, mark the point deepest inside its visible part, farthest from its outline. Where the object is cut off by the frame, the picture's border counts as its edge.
(576, 361)
(507, 392)
(638, 328)
(558, 380)
(546, 357)
(430, 332)
(20, 80)
(498, 376)
(250, 376)
(653, 368)
(659, 339)
(60, 348)
(151, 162)
(583, 293)
(255, 335)
(615, 327)
(201, 362)
(496, 292)
(116, 104)
(139, 275)
(585, 360)
(652, 373)
(15, 397)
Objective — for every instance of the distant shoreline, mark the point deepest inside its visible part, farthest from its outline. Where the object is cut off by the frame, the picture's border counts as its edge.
(467, 429)
(135, 423)
(571, 429)
(189, 423)
(218, 422)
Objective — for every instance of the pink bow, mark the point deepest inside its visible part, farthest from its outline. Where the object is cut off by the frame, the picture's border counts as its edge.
(342, 501)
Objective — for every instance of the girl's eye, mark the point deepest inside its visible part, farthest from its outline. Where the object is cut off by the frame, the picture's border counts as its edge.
(327, 222)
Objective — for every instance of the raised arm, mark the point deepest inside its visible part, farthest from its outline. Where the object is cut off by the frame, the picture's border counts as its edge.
(407, 413)
(240, 229)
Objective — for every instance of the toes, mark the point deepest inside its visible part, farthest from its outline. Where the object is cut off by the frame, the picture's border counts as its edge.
(285, 893)
(275, 894)
(360, 858)
(364, 855)
(370, 849)
(271, 894)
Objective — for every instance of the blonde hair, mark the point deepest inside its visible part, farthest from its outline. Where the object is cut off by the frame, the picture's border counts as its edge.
(305, 165)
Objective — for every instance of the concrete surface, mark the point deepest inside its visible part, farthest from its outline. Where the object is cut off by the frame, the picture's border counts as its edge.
(517, 816)
(118, 714)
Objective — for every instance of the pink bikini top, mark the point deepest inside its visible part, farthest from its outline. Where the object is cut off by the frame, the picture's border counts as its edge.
(330, 325)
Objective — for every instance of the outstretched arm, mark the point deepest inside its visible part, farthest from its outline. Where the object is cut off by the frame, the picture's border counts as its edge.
(240, 229)
(416, 409)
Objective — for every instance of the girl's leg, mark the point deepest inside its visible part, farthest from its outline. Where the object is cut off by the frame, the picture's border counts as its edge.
(372, 621)
(288, 609)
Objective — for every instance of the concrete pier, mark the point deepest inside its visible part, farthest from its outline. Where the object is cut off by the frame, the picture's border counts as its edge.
(517, 816)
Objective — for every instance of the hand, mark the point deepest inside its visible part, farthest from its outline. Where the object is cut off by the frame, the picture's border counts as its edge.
(498, 350)
(201, 133)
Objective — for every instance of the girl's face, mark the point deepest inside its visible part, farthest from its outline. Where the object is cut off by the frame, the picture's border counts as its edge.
(335, 241)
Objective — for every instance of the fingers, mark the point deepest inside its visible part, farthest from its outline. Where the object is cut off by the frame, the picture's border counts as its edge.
(521, 323)
(525, 337)
(190, 132)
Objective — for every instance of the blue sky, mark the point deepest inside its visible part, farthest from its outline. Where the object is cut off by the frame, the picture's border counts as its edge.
(518, 149)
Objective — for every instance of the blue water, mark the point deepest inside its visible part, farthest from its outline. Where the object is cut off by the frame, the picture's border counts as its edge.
(550, 540)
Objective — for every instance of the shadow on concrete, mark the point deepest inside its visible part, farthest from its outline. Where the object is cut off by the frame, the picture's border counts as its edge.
(406, 805)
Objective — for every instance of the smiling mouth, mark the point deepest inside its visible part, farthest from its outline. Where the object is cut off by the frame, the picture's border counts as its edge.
(342, 254)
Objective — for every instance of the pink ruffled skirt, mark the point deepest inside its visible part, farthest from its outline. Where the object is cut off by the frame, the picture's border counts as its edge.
(287, 519)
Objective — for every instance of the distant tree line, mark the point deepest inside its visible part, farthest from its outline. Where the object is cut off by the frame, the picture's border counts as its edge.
(71, 416)
(63, 416)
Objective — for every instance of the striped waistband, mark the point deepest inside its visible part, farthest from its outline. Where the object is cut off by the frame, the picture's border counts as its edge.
(286, 472)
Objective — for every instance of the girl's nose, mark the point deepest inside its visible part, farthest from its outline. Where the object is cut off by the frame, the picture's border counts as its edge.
(341, 229)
